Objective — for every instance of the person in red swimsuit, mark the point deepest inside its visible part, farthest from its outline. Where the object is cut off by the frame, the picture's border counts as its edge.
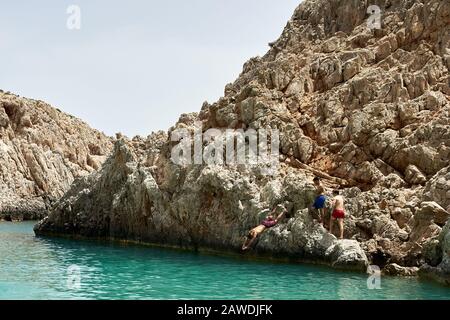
(338, 213)
(267, 223)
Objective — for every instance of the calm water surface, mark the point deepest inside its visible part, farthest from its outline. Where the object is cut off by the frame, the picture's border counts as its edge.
(38, 268)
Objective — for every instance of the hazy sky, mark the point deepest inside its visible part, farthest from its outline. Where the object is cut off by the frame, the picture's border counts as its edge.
(134, 66)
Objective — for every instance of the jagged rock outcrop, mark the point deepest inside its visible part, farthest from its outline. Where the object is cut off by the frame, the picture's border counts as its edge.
(437, 257)
(396, 270)
(42, 150)
(366, 109)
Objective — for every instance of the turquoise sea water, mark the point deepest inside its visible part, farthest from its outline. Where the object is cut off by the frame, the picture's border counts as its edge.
(37, 268)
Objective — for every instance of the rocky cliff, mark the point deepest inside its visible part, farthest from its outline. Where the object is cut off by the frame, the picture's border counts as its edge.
(366, 109)
(42, 150)
(436, 253)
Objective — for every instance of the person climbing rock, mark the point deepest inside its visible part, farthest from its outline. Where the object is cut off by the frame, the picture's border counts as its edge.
(338, 213)
(319, 203)
(267, 223)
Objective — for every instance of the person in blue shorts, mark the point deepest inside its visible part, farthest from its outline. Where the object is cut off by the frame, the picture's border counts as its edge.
(319, 202)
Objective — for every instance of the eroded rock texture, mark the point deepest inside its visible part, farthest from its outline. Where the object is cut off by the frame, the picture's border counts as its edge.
(437, 257)
(366, 109)
(42, 150)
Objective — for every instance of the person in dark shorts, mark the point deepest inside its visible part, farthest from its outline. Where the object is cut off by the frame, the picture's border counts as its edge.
(338, 213)
(267, 223)
(319, 202)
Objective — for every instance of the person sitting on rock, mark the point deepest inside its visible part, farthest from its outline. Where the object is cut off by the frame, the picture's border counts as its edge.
(319, 203)
(338, 213)
(267, 223)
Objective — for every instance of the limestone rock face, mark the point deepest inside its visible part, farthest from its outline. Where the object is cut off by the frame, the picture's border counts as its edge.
(433, 211)
(438, 188)
(42, 150)
(438, 267)
(396, 270)
(347, 253)
(368, 110)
